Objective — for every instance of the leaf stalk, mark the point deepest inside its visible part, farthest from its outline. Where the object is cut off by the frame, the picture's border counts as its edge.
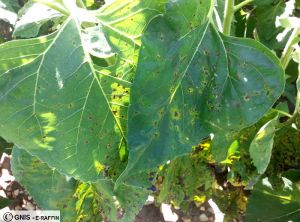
(288, 50)
(242, 4)
(229, 12)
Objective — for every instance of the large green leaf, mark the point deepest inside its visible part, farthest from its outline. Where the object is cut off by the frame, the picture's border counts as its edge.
(77, 202)
(50, 189)
(274, 203)
(261, 146)
(208, 83)
(56, 108)
(60, 107)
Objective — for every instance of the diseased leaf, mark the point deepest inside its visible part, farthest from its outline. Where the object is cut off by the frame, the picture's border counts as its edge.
(261, 146)
(208, 83)
(115, 205)
(183, 179)
(64, 129)
(59, 106)
(50, 189)
(76, 202)
(122, 204)
(269, 202)
(87, 206)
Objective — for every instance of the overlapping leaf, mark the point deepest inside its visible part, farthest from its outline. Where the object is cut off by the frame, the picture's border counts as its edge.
(57, 106)
(208, 83)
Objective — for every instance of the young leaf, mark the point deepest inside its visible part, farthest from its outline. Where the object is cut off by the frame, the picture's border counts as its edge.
(261, 146)
(208, 83)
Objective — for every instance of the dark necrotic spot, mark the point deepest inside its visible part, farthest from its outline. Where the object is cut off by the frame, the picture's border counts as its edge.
(246, 97)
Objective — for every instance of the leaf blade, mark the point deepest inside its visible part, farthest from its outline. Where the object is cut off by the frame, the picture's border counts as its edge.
(262, 145)
(185, 106)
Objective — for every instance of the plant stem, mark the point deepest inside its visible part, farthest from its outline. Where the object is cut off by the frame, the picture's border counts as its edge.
(242, 4)
(288, 50)
(229, 12)
(53, 6)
